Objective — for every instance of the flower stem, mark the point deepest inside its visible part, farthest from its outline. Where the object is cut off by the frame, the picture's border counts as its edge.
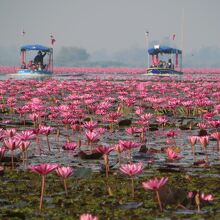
(132, 187)
(12, 159)
(158, 199)
(48, 143)
(42, 191)
(193, 151)
(106, 164)
(65, 186)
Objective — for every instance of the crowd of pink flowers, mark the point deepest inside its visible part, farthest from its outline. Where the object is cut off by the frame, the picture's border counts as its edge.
(67, 104)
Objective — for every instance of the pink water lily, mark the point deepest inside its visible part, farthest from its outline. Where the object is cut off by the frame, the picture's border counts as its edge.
(90, 125)
(42, 169)
(92, 137)
(132, 170)
(64, 172)
(11, 144)
(204, 140)
(206, 197)
(119, 148)
(193, 140)
(129, 145)
(25, 135)
(162, 120)
(23, 145)
(172, 155)
(88, 217)
(202, 126)
(46, 130)
(131, 130)
(9, 133)
(216, 136)
(155, 184)
(105, 150)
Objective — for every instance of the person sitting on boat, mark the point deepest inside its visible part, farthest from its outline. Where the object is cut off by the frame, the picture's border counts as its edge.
(160, 65)
(164, 64)
(31, 65)
(170, 64)
(39, 58)
(23, 65)
(39, 66)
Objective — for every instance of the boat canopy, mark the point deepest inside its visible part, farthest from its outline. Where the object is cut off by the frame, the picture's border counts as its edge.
(163, 49)
(36, 47)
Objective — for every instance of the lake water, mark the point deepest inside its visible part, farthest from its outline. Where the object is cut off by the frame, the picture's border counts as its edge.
(85, 90)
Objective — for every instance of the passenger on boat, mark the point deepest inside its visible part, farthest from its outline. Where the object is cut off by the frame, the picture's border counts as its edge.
(160, 65)
(164, 64)
(31, 65)
(39, 66)
(170, 64)
(39, 58)
(23, 65)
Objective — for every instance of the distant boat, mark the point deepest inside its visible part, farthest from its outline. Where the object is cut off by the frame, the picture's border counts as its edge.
(28, 65)
(160, 66)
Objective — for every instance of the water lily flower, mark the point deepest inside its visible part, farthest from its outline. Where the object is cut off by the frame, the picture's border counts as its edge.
(11, 144)
(92, 137)
(90, 125)
(129, 145)
(172, 155)
(70, 145)
(42, 169)
(216, 135)
(155, 184)
(193, 140)
(64, 172)
(105, 150)
(207, 197)
(46, 130)
(23, 145)
(88, 217)
(25, 135)
(132, 170)
(9, 133)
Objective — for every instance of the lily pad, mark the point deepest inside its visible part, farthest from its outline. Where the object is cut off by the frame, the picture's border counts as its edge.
(131, 205)
(92, 156)
(82, 172)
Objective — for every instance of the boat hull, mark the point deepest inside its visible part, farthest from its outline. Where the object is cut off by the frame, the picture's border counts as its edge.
(159, 71)
(34, 71)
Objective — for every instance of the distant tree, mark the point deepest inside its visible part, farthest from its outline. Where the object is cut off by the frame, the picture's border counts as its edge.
(205, 57)
(70, 55)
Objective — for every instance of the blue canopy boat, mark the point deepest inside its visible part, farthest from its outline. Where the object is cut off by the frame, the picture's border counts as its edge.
(160, 66)
(36, 65)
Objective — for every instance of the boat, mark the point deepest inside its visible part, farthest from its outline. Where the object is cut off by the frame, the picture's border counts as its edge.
(161, 67)
(28, 64)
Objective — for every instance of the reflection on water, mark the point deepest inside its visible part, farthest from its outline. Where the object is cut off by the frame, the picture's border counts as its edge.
(83, 76)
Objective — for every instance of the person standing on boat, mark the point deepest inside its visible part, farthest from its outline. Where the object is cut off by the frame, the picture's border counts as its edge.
(39, 59)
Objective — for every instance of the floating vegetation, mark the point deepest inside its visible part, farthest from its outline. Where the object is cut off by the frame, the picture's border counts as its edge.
(87, 137)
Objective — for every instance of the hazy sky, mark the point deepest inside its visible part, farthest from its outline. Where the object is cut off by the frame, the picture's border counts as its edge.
(110, 24)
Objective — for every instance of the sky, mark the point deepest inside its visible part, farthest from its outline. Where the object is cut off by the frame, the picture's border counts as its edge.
(111, 25)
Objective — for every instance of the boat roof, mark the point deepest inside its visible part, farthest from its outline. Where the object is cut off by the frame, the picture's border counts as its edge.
(36, 47)
(163, 49)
